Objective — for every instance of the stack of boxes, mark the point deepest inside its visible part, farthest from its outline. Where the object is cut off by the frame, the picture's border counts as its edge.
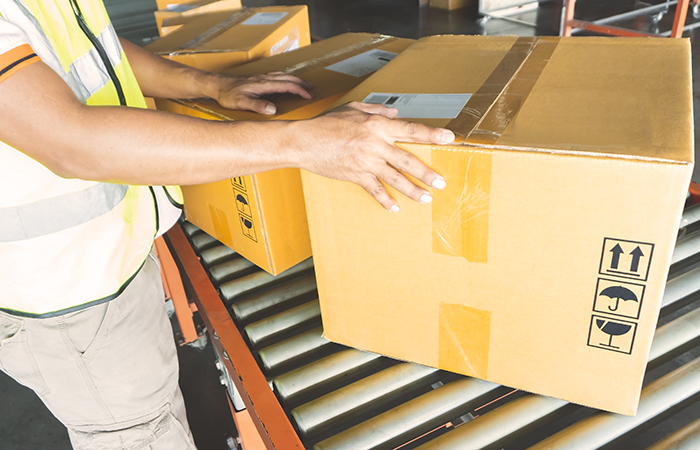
(542, 264)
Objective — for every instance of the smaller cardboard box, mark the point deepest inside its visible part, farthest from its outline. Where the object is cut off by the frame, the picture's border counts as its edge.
(542, 265)
(219, 40)
(452, 4)
(174, 16)
(165, 4)
(262, 216)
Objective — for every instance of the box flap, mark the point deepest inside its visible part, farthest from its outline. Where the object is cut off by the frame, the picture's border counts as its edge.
(580, 95)
(219, 31)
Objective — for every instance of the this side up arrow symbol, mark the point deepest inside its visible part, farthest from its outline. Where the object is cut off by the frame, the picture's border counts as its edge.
(636, 255)
(616, 251)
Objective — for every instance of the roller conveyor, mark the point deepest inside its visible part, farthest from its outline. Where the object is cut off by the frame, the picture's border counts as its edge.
(326, 396)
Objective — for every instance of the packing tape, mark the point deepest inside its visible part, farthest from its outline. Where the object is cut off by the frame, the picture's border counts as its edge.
(287, 43)
(220, 221)
(460, 213)
(324, 60)
(464, 340)
(216, 30)
(496, 104)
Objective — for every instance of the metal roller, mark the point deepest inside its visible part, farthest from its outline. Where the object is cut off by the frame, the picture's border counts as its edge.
(216, 255)
(250, 284)
(190, 229)
(518, 417)
(416, 417)
(660, 399)
(229, 270)
(327, 374)
(275, 300)
(353, 403)
(279, 326)
(681, 291)
(690, 221)
(202, 242)
(687, 438)
(296, 351)
(504, 424)
(675, 338)
(685, 254)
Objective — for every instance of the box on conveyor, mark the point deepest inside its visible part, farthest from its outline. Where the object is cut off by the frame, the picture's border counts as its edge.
(543, 263)
(223, 39)
(174, 16)
(262, 216)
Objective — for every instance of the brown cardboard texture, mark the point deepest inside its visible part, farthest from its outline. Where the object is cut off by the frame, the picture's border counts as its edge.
(543, 263)
(165, 4)
(267, 223)
(219, 40)
(174, 16)
(451, 4)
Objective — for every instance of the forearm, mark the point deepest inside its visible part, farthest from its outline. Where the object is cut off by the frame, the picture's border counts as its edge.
(161, 77)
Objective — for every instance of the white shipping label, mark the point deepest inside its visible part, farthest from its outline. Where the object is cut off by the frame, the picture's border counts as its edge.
(264, 18)
(180, 8)
(421, 106)
(364, 63)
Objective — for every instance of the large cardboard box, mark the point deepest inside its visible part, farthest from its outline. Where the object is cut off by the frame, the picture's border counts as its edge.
(174, 16)
(262, 216)
(224, 39)
(543, 263)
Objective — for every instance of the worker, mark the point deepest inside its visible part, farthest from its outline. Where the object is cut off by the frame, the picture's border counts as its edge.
(82, 321)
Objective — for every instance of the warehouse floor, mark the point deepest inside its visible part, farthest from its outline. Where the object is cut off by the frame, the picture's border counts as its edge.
(24, 421)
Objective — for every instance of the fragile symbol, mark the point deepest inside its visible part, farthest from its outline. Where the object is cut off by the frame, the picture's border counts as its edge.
(248, 228)
(610, 334)
(612, 329)
(618, 293)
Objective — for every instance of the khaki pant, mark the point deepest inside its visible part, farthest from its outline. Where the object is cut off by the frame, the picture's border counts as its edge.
(108, 373)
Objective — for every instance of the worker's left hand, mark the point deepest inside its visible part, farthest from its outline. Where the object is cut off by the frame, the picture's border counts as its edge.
(244, 93)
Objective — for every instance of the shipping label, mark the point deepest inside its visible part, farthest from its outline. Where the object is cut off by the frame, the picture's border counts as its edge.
(421, 106)
(364, 63)
(264, 18)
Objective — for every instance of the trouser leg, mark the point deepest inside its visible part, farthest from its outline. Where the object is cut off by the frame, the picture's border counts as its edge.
(109, 373)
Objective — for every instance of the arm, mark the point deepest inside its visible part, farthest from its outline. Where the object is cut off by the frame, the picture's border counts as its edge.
(133, 146)
(161, 77)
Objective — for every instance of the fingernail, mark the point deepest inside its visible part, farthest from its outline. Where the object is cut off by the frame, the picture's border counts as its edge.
(447, 137)
(439, 183)
(270, 109)
(426, 198)
(394, 208)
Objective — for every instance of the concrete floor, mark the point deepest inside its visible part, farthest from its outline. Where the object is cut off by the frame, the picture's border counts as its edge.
(24, 421)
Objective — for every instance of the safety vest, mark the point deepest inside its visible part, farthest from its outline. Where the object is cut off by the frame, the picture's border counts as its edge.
(67, 244)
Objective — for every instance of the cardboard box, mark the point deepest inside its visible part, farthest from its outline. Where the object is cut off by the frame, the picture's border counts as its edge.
(543, 263)
(174, 16)
(224, 39)
(267, 224)
(452, 4)
(165, 4)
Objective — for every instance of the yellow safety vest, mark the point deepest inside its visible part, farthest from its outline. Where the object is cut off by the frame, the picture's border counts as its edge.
(67, 244)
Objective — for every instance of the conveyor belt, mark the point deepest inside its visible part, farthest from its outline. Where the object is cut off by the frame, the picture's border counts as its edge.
(338, 398)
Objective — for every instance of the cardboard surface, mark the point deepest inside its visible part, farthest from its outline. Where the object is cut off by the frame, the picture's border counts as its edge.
(268, 226)
(174, 16)
(223, 39)
(452, 4)
(542, 264)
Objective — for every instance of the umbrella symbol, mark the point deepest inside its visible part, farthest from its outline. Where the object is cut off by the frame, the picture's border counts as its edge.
(618, 293)
(241, 199)
(612, 329)
(248, 224)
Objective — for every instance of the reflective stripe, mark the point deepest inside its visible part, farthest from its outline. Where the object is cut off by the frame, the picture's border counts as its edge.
(89, 69)
(59, 213)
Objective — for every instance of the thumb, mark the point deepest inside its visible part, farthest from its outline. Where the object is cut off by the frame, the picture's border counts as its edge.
(257, 105)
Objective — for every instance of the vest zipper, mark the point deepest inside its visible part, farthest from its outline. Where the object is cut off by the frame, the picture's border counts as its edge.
(100, 50)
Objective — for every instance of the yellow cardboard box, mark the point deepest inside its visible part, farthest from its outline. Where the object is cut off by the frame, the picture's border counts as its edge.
(223, 39)
(452, 4)
(543, 263)
(165, 4)
(174, 16)
(263, 216)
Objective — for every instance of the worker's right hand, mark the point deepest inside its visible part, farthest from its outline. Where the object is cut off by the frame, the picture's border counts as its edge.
(355, 143)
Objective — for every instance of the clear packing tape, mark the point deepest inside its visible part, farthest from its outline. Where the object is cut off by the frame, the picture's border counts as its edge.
(461, 214)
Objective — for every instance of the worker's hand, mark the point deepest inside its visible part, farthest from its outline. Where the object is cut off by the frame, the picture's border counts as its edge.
(356, 143)
(244, 93)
